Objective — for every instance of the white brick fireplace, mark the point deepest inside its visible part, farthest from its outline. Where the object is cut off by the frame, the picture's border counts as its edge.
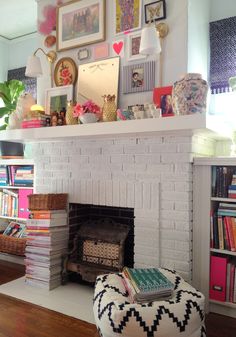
(151, 174)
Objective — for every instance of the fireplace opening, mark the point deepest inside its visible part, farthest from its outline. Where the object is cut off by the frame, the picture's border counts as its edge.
(98, 235)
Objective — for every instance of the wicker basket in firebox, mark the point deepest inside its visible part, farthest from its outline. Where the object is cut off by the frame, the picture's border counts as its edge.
(48, 201)
(12, 245)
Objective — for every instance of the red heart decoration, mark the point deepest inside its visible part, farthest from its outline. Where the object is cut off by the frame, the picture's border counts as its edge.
(118, 47)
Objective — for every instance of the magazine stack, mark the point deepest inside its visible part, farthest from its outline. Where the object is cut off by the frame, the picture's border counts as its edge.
(47, 240)
(146, 284)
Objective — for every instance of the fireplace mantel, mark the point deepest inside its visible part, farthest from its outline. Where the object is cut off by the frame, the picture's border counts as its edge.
(210, 125)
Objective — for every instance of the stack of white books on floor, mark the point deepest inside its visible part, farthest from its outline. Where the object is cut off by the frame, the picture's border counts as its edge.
(47, 241)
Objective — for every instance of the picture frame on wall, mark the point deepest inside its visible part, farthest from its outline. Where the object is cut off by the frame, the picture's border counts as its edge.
(127, 15)
(80, 23)
(56, 99)
(162, 98)
(139, 77)
(133, 46)
(65, 72)
(155, 11)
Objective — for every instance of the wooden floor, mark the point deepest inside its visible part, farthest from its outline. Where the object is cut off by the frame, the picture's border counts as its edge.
(22, 319)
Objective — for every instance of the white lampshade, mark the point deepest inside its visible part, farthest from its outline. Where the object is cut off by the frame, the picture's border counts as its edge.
(150, 41)
(33, 67)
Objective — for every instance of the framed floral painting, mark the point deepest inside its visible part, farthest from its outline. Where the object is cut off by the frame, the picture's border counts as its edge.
(65, 72)
(80, 23)
(128, 15)
(56, 99)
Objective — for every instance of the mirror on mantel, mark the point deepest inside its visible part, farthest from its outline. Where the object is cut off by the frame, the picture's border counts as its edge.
(97, 79)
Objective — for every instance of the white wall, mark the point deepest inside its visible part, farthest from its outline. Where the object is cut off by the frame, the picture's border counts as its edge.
(174, 49)
(3, 60)
(20, 49)
(222, 9)
(198, 36)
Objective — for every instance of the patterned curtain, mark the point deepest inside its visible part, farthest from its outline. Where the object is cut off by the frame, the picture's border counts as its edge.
(30, 82)
(222, 54)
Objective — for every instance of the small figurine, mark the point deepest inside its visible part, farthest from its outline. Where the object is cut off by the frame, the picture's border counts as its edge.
(54, 118)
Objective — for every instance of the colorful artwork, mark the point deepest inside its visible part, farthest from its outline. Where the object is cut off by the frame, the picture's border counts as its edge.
(65, 72)
(118, 48)
(128, 15)
(80, 23)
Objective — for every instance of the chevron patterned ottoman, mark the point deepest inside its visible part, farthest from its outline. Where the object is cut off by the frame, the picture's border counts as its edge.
(116, 316)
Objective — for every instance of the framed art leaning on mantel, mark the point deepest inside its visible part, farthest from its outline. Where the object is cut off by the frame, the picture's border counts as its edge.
(80, 23)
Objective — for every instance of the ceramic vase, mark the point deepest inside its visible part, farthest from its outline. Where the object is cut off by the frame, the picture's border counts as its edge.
(189, 95)
(109, 108)
(88, 117)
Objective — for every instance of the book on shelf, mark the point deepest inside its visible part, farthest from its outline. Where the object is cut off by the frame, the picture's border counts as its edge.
(218, 270)
(147, 284)
(49, 223)
(47, 215)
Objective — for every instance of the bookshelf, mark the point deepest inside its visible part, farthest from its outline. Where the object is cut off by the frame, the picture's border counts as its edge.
(210, 243)
(16, 182)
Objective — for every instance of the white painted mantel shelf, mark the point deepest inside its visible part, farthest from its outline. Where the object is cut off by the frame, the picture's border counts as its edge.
(193, 123)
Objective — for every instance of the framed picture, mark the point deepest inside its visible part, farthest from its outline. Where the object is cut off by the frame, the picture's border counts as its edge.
(133, 47)
(139, 77)
(162, 97)
(56, 99)
(128, 15)
(80, 23)
(155, 11)
(65, 72)
(84, 54)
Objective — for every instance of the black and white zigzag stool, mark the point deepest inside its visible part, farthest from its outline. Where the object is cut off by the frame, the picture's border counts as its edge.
(116, 316)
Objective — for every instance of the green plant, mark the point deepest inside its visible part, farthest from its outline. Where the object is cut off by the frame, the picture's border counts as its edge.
(9, 92)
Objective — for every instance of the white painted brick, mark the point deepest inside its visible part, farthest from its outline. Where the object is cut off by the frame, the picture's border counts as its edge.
(150, 140)
(43, 189)
(145, 260)
(177, 139)
(145, 239)
(162, 168)
(102, 192)
(79, 174)
(163, 148)
(146, 213)
(71, 151)
(182, 245)
(51, 151)
(39, 181)
(89, 187)
(59, 185)
(185, 276)
(122, 158)
(116, 193)
(170, 244)
(59, 159)
(146, 250)
(78, 160)
(100, 175)
(40, 173)
(83, 191)
(97, 159)
(167, 263)
(138, 198)
(61, 174)
(186, 147)
(167, 224)
(47, 181)
(167, 205)
(56, 167)
(121, 175)
(155, 192)
(146, 176)
(178, 215)
(43, 160)
(177, 177)
(95, 192)
(146, 195)
(175, 255)
(183, 266)
(183, 186)
(176, 158)
(183, 206)
(184, 196)
(135, 149)
(109, 198)
(167, 186)
(148, 224)
(90, 150)
(126, 141)
(184, 226)
(65, 185)
(123, 194)
(130, 194)
(175, 235)
(113, 149)
(134, 167)
(147, 158)
(183, 167)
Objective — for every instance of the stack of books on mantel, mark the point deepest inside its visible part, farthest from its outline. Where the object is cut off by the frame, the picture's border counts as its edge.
(47, 241)
(146, 284)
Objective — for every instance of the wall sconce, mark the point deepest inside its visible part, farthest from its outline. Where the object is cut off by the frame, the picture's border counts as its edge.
(34, 68)
(151, 41)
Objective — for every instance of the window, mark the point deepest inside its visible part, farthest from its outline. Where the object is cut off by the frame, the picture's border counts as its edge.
(30, 83)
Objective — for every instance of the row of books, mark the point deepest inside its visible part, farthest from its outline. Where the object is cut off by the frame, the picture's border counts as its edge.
(14, 203)
(223, 178)
(47, 240)
(146, 284)
(35, 122)
(223, 227)
(222, 279)
(16, 175)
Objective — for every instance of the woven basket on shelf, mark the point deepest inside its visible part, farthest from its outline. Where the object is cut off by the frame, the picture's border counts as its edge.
(48, 201)
(12, 245)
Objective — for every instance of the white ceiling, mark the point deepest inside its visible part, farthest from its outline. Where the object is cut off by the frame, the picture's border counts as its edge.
(17, 18)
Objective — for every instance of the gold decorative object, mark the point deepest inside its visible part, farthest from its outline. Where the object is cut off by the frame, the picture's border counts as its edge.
(70, 119)
(109, 108)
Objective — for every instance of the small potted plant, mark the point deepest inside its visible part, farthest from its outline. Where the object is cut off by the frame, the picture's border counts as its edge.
(89, 112)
